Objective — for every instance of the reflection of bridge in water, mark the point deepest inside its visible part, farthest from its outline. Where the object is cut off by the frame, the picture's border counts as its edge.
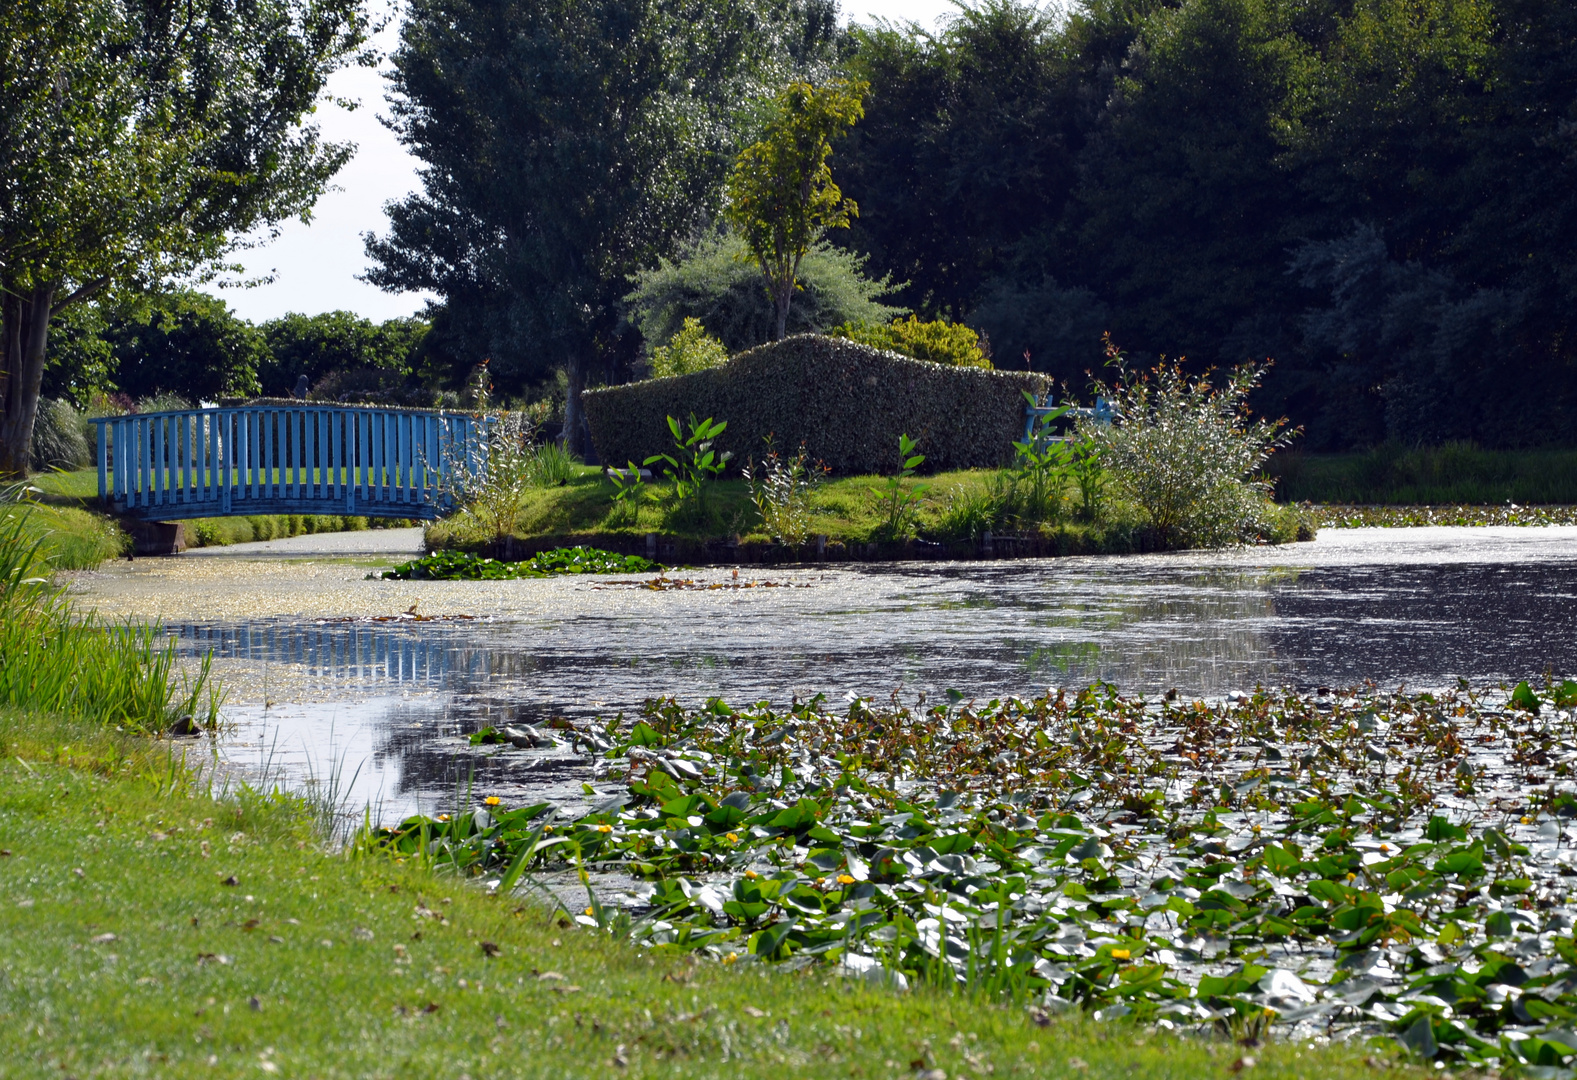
(287, 459)
(393, 658)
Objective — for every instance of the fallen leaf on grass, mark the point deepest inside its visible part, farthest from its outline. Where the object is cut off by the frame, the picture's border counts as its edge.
(212, 958)
(547, 976)
(751, 1010)
(1244, 1062)
(490, 949)
(101, 939)
(1078, 1063)
(231, 881)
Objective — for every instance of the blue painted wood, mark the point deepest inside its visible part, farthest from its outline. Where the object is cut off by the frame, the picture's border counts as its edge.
(1035, 417)
(287, 459)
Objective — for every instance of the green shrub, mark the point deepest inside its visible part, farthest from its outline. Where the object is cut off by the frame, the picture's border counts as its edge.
(847, 404)
(691, 349)
(940, 342)
(1183, 450)
(59, 438)
(717, 284)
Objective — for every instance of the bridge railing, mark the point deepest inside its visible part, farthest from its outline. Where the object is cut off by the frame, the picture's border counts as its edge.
(316, 459)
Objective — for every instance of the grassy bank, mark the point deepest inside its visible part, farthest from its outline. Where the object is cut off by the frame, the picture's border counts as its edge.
(849, 511)
(152, 927)
(77, 523)
(1453, 474)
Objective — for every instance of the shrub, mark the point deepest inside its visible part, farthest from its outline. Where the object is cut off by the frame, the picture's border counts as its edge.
(691, 349)
(847, 404)
(1183, 450)
(781, 488)
(59, 438)
(940, 342)
(718, 285)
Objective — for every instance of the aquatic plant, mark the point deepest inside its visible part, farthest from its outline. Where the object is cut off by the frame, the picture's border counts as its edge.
(1353, 862)
(1184, 451)
(781, 489)
(464, 566)
(693, 463)
(900, 501)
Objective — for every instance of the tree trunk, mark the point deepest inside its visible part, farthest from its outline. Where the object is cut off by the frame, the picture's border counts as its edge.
(574, 418)
(785, 296)
(24, 330)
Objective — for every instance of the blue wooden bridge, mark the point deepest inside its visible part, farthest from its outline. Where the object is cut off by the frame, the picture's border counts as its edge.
(289, 459)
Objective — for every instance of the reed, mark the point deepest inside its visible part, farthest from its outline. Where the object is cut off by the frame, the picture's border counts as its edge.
(52, 660)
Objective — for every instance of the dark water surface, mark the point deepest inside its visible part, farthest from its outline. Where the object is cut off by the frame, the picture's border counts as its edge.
(392, 702)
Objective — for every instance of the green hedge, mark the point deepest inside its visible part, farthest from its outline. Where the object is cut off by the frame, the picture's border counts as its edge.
(847, 403)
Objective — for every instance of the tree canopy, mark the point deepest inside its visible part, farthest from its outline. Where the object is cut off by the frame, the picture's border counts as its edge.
(565, 145)
(138, 140)
(1380, 196)
(781, 195)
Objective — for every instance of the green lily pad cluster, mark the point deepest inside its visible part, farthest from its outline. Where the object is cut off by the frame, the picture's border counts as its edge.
(1348, 864)
(464, 566)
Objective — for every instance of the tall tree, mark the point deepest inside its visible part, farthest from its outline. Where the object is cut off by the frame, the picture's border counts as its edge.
(566, 144)
(138, 138)
(781, 196)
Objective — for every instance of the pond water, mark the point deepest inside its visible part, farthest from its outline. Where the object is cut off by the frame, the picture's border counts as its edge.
(326, 686)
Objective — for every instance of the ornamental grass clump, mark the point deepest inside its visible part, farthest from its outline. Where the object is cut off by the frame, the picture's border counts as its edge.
(1184, 452)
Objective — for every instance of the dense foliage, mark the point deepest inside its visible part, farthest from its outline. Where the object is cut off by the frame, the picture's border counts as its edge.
(138, 141)
(566, 145)
(191, 344)
(460, 566)
(847, 403)
(939, 341)
(713, 282)
(1382, 197)
(1321, 862)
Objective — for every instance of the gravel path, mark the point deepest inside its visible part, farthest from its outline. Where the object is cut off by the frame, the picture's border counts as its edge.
(323, 545)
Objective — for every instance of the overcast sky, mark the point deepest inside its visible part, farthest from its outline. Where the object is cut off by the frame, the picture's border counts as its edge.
(315, 266)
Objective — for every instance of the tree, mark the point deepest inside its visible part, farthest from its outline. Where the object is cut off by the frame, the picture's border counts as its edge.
(138, 138)
(781, 198)
(314, 345)
(568, 143)
(187, 343)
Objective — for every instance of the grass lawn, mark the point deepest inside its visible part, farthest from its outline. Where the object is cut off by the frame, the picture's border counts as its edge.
(72, 509)
(847, 510)
(1453, 474)
(150, 928)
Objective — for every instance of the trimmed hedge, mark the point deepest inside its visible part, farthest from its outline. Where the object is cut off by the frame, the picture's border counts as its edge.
(847, 403)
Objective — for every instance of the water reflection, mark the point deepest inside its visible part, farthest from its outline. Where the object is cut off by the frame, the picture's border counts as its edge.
(988, 630)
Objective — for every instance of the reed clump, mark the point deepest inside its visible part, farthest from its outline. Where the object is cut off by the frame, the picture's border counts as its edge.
(53, 660)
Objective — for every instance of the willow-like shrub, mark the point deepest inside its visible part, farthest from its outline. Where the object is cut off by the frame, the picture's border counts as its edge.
(1186, 451)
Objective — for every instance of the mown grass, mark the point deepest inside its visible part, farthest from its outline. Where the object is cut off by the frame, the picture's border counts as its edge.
(847, 510)
(313, 963)
(1458, 473)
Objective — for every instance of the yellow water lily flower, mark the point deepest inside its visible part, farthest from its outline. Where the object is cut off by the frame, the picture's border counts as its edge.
(845, 879)
(730, 958)
(1122, 954)
(491, 800)
(733, 838)
(605, 828)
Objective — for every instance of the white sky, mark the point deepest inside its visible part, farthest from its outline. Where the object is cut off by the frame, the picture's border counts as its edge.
(315, 266)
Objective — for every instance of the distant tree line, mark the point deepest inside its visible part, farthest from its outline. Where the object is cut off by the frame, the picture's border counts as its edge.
(192, 345)
(1380, 196)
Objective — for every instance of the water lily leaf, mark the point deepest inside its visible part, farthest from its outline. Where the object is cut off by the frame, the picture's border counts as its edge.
(1420, 1038)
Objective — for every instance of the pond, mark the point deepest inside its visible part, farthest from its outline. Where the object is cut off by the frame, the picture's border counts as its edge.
(329, 682)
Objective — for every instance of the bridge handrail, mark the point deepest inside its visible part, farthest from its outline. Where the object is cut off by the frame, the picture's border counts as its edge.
(308, 457)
